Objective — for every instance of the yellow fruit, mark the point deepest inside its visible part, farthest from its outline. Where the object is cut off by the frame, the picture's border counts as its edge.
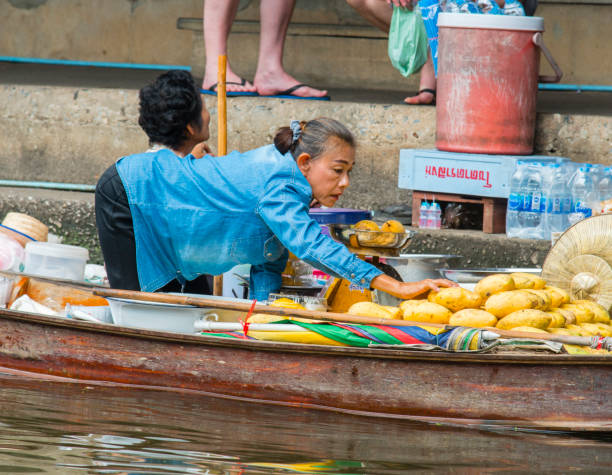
(583, 314)
(455, 298)
(286, 303)
(559, 331)
(523, 280)
(595, 329)
(604, 327)
(394, 311)
(370, 309)
(406, 304)
(544, 297)
(559, 296)
(494, 284)
(577, 330)
(600, 315)
(393, 226)
(367, 225)
(525, 318)
(505, 303)
(528, 329)
(426, 312)
(569, 316)
(384, 240)
(557, 320)
(471, 317)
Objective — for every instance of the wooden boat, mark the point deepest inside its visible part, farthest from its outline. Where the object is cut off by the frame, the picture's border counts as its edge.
(545, 391)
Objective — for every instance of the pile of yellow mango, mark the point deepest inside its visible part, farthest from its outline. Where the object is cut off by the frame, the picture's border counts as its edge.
(515, 301)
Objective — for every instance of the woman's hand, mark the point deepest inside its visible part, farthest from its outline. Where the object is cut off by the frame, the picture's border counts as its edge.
(201, 150)
(408, 290)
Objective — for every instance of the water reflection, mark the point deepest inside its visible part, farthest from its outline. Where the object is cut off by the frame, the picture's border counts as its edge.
(69, 428)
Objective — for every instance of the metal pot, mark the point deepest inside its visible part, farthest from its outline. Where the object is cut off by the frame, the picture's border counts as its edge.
(415, 267)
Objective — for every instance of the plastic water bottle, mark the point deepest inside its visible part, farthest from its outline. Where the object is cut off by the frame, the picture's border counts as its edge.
(605, 184)
(515, 202)
(423, 214)
(559, 202)
(436, 215)
(582, 192)
(530, 216)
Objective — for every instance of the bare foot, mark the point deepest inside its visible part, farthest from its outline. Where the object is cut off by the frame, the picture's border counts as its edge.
(233, 82)
(271, 84)
(423, 98)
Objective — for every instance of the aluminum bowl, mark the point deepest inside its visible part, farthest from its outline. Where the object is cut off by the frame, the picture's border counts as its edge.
(472, 276)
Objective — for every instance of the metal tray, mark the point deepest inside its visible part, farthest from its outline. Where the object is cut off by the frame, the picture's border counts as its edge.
(472, 276)
(368, 242)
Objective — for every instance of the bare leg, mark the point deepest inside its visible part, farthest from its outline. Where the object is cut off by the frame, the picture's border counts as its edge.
(218, 18)
(270, 77)
(378, 12)
(428, 81)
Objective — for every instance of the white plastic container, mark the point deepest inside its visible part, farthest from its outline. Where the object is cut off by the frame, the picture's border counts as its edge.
(168, 317)
(60, 261)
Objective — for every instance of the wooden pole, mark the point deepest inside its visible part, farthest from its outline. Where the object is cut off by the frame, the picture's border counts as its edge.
(316, 315)
(221, 138)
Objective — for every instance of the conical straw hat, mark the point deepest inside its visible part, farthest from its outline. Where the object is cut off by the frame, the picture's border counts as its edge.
(24, 228)
(580, 261)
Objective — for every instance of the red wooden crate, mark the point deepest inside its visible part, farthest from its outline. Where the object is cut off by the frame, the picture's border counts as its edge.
(493, 213)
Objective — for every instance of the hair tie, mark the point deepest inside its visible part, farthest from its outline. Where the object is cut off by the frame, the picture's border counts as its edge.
(296, 128)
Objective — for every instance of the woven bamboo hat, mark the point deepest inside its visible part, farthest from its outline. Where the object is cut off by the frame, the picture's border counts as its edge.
(24, 228)
(580, 262)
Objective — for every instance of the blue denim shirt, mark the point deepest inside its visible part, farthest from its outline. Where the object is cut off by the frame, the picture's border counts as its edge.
(204, 216)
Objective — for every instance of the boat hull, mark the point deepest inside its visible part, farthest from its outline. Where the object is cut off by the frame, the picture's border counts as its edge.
(559, 392)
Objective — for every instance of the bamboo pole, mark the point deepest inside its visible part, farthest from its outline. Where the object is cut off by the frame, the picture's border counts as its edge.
(323, 316)
(221, 137)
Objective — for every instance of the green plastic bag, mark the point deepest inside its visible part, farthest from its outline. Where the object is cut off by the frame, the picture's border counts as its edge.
(407, 41)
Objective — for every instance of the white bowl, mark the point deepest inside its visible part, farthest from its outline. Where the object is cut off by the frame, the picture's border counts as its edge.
(166, 316)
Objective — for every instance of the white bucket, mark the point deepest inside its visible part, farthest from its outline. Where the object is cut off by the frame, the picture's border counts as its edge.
(60, 261)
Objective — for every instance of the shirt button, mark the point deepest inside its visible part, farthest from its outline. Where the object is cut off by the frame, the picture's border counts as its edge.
(363, 281)
(352, 276)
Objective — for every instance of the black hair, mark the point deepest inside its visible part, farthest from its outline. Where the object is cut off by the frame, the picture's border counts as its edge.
(313, 137)
(168, 105)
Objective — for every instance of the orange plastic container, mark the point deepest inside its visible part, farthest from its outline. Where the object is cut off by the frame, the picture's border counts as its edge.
(488, 81)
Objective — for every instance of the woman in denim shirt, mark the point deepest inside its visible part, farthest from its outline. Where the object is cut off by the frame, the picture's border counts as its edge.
(193, 216)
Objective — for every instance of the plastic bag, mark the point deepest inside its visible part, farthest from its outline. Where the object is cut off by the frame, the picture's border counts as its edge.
(407, 41)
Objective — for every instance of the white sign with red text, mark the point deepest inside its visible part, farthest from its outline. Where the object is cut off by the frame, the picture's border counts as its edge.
(460, 173)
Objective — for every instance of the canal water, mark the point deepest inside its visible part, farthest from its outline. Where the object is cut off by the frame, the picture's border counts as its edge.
(65, 428)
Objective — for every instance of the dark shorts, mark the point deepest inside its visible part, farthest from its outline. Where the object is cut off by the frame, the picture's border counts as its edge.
(116, 234)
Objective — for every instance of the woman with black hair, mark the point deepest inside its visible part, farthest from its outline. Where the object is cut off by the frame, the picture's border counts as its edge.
(193, 216)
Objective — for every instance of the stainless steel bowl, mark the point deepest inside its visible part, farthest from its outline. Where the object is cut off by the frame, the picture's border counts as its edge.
(415, 267)
(360, 239)
(472, 276)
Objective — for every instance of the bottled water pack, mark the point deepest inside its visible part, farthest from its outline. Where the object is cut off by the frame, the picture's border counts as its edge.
(548, 197)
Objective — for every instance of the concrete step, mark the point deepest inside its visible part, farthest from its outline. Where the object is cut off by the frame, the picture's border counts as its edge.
(73, 130)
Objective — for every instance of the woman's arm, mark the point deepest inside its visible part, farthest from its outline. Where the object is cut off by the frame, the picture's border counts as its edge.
(408, 290)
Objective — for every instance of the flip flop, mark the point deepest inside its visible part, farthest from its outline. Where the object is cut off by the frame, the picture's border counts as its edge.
(287, 94)
(212, 89)
(432, 103)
